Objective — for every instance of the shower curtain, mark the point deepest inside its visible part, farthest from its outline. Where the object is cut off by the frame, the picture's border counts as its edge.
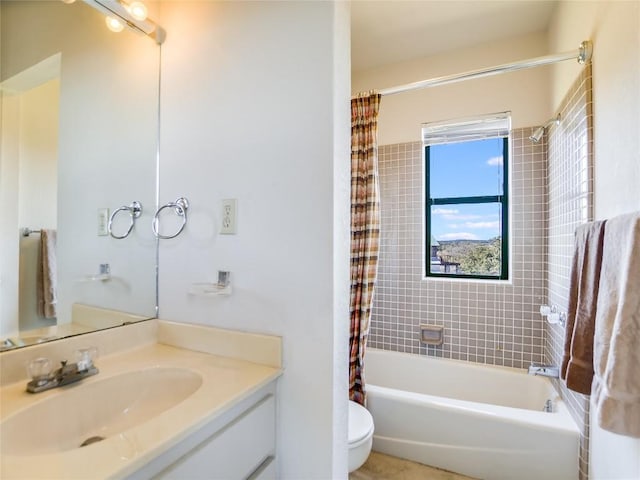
(365, 232)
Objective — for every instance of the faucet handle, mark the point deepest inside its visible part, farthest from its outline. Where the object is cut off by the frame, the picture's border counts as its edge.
(85, 357)
(39, 369)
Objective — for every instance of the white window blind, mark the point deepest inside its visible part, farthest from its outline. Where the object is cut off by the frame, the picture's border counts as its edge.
(467, 129)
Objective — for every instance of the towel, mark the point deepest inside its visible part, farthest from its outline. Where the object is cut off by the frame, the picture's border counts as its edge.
(47, 275)
(577, 363)
(616, 355)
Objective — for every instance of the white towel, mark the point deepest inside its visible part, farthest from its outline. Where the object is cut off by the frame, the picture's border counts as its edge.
(616, 355)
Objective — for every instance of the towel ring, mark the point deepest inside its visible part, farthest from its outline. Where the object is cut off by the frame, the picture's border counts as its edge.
(181, 205)
(135, 210)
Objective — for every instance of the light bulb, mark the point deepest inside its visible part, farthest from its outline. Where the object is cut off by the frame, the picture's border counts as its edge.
(114, 24)
(68, 1)
(138, 10)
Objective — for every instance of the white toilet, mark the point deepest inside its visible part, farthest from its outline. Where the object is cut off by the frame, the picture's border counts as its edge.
(360, 435)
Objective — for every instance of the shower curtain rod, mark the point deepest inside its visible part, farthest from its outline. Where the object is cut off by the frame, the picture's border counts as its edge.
(582, 55)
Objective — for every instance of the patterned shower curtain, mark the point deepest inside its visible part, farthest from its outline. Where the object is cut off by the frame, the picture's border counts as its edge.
(365, 231)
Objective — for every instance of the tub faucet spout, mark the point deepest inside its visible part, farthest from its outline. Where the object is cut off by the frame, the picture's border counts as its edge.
(544, 370)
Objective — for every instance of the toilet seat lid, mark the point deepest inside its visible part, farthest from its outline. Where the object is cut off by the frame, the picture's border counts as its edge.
(360, 422)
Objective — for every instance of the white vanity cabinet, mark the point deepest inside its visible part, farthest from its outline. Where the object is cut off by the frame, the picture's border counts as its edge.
(240, 444)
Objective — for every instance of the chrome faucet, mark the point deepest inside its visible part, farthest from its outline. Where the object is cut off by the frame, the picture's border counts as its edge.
(544, 370)
(42, 378)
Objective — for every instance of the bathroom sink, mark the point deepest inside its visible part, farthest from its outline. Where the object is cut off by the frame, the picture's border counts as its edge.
(81, 414)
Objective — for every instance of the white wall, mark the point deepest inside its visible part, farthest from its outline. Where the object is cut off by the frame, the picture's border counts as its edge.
(10, 251)
(341, 233)
(37, 188)
(255, 106)
(614, 28)
(108, 144)
(38, 192)
(28, 189)
(524, 93)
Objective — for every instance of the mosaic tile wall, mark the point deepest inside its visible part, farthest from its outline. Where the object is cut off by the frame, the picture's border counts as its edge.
(570, 185)
(486, 322)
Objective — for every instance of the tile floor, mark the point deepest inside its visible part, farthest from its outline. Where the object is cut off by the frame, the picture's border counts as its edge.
(385, 467)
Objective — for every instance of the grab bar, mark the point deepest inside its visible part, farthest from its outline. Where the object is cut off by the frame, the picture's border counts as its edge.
(135, 210)
(181, 205)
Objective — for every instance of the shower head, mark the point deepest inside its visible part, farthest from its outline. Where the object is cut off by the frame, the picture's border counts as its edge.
(537, 135)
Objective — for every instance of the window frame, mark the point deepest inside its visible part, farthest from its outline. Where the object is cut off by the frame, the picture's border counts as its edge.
(503, 200)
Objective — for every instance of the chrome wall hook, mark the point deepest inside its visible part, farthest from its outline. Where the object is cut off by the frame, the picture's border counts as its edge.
(135, 210)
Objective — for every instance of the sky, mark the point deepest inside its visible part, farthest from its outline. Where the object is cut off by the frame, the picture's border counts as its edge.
(466, 169)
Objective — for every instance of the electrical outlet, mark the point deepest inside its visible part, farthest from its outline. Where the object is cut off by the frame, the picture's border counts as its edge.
(103, 221)
(229, 211)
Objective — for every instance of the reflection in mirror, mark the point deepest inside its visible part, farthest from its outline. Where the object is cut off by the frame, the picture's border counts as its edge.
(79, 140)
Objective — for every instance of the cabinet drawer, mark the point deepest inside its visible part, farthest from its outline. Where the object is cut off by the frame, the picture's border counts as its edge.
(233, 452)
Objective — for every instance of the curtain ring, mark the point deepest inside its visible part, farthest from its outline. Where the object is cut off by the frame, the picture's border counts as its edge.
(135, 210)
(181, 205)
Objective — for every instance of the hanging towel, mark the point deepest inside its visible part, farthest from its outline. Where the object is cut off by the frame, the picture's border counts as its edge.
(616, 355)
(577, 363)
(47, 275)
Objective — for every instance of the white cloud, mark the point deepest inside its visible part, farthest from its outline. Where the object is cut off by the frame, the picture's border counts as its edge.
(444, 211)
(482, 224)
(461, 217)
(458, 236)
(472, 225)
(495, 161)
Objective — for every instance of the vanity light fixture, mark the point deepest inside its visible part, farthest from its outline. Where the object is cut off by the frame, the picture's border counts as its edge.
(114, 24)
(133, 16)
(138, 10)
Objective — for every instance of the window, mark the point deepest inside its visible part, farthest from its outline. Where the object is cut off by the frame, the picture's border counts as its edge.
(466, 197)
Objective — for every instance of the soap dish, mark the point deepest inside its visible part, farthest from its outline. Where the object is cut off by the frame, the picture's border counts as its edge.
(209, 289)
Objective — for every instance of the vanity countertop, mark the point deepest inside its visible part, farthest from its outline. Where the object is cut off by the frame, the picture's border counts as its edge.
(225, 382)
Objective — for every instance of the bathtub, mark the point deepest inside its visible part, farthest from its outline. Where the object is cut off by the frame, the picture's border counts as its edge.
(478, 420)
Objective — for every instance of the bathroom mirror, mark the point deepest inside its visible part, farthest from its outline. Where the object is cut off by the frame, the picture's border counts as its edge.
(79, 140)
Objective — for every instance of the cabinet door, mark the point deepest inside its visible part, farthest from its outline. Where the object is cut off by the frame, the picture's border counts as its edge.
(234, 452)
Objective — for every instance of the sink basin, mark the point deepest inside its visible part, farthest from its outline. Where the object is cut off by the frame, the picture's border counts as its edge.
(84, 413)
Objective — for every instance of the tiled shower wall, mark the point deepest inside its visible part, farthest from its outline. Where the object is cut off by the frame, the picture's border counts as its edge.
(570, 185)
(485, 322)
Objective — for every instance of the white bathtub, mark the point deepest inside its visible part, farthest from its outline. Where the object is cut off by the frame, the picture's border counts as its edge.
(483, 421)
